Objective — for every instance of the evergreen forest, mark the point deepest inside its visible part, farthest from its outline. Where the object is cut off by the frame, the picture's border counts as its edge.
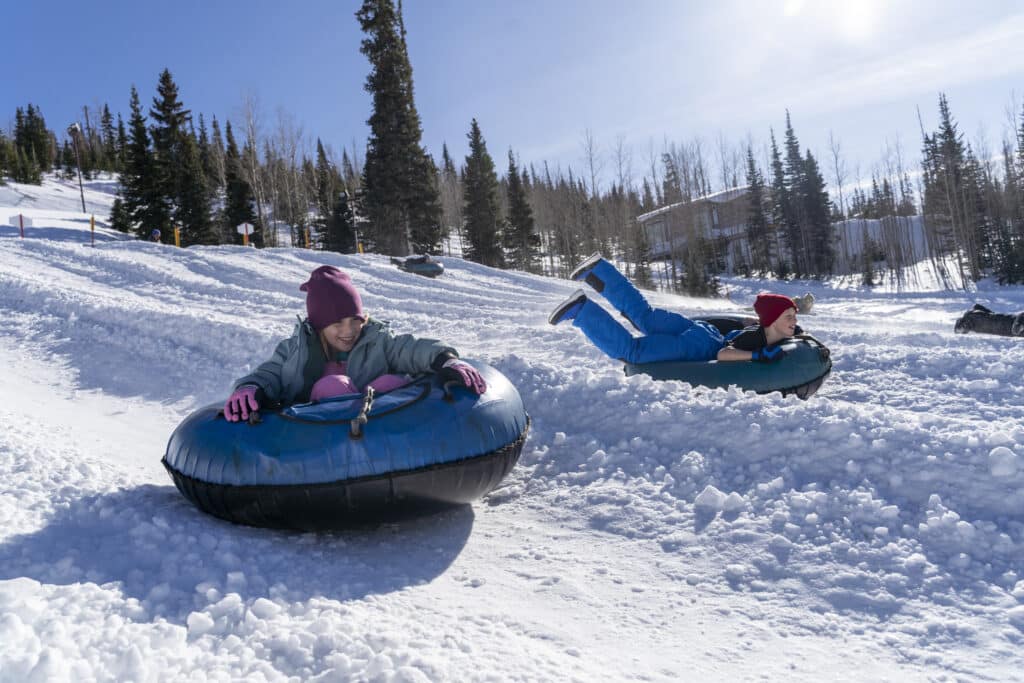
(204, 176)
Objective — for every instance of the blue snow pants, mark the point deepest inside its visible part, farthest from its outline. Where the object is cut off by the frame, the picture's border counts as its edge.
(667, 335)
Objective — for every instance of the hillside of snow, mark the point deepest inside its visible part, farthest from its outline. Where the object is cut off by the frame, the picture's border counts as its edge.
(651, 531)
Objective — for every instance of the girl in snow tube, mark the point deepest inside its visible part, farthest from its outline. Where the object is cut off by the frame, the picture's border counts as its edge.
(340, 353)
(695, 350)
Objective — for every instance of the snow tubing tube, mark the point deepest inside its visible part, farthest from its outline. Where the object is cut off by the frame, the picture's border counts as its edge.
(420, 265)
(986, 321)
(316, 466)
(802, 372)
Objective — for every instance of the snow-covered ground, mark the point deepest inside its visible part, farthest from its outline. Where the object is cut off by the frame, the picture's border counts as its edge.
(652, 530)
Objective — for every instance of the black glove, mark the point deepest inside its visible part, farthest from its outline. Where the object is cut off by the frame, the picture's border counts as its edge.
(768, 354)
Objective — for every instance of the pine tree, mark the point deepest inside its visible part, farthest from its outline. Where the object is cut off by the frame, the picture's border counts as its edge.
(120, 219)
(5, 157)
(206, 159)
(820, 256)
(67, 160)
(328, 183)
(672, 183)
(648, 202)
(522, 243)
(399, 189)
(33, 146)
(84, 138)
(340, 232)
(480, 190)
(238, 201)
(944, 158)
(109, 139)
(122, 143)
(757, 224)
(781, 213)
(349, 172)
(217, 154)
(1012, 266)
(193, 210)
(169, 129)
(143, 201)
(796, 222)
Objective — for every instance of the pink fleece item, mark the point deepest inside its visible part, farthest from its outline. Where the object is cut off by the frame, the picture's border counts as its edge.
(330, 386)
(336, 383)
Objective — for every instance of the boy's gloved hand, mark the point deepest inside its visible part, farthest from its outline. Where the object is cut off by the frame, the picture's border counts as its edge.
(768, 354)
(241, 403)
(464, 373)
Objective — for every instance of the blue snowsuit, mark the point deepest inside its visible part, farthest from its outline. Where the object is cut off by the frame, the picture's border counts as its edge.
(667, 335)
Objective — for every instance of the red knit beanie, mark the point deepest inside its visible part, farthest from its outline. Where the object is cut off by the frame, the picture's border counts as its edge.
(331, 297)
(770, 306)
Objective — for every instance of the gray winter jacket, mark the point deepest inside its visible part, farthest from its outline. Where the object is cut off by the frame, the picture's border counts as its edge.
(298, 362)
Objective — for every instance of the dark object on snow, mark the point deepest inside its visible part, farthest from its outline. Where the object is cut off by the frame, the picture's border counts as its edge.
(981, 319)
(352, 460)
(421, 265)
(804, 369)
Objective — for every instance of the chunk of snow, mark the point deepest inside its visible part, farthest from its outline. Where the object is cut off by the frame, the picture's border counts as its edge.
(710, 499)
(1002, 462)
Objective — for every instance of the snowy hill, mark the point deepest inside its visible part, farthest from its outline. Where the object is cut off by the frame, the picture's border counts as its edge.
(652, 530)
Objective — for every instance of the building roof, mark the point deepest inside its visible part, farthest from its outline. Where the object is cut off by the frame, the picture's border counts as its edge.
(720, 197)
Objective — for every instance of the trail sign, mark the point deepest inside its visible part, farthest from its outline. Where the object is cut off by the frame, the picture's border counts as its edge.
(22, 222)
(244, 229)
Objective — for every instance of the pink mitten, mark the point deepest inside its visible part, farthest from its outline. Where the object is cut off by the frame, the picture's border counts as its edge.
(464, 373)
(240, 403)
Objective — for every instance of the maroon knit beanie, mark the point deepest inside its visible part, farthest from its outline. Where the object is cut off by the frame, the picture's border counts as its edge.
(331, 297)
(770, 306)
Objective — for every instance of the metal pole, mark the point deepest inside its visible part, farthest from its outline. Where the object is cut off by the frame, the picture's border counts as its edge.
(73, 129)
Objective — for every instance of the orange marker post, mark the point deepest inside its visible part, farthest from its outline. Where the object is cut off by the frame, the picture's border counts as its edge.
(92, 230)
(177, 236)
(244, 229)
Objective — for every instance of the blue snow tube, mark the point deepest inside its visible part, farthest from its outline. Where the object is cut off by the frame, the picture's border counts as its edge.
(807, 364)
(352, 460)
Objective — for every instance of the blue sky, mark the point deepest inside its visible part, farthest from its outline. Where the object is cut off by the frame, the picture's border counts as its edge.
(538, 74)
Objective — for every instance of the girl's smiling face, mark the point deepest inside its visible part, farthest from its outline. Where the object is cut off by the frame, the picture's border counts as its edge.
(342, 336)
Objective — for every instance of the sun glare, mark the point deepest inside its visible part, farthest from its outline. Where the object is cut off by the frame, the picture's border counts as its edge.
(855, 19)
(852, 20)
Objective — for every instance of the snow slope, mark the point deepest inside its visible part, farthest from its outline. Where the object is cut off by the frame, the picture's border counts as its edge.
(652, 530)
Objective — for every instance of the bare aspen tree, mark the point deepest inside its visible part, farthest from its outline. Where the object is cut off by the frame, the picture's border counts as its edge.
(592, 160)
(839, 179)
(251, 162)
(290, 198)
(450, 191)
(889, 229)
(594, 230)
(838, 169)
(653, 160)
(730, 162)
(623, 159)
